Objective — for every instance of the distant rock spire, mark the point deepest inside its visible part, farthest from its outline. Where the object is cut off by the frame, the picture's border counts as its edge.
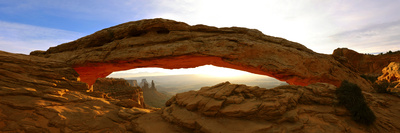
(152, 85)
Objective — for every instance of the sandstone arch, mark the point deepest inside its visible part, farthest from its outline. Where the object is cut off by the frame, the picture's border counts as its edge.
(170, 44)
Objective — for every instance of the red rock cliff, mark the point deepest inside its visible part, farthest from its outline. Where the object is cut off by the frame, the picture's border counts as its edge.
(366, 64)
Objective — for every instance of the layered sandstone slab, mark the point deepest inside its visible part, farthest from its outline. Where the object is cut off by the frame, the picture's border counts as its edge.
(41, 95)
(44, 95)
(171, 44)
(391, 74)
(237, 108)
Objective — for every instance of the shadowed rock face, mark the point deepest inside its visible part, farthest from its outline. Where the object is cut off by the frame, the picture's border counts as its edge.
(170, 44)
(365, 64)
(234, 108)
(119, 89)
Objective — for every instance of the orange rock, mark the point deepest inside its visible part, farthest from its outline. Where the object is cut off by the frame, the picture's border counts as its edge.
(170, 44)
(120, 89)
(366, 64)
(391, 73)
(44, 95)
(289, 108)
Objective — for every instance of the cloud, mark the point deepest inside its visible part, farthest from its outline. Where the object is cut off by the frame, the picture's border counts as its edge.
(319, 25)
(373, 38)
(310, 22)
(21, 38)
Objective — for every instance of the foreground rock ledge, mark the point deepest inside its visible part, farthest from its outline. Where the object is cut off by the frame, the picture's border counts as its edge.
(171, 44)
(233, 108)
(44, 95)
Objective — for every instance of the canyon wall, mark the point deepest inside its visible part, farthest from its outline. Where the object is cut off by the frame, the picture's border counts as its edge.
(364, 63)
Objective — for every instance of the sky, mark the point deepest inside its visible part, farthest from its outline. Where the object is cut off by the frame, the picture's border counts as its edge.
(366, 26)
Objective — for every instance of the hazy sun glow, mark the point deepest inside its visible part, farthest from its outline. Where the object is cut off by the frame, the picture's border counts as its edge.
(206, 70)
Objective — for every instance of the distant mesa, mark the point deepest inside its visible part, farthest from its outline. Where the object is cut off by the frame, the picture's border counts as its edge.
(170, 44)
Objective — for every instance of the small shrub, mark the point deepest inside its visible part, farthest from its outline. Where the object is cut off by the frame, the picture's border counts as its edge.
(381, 86)
(350, 96)
(369, 78)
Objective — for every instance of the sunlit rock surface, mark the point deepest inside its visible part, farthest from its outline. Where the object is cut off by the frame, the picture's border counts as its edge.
(237, 108)
(171, 44)
(391, 74)
(44, 95)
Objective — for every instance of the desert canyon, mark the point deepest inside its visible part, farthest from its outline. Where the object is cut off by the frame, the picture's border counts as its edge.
(65, 89)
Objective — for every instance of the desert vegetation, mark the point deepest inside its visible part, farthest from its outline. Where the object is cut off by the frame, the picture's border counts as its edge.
(350, 96)
(390, 52)
(379, 86)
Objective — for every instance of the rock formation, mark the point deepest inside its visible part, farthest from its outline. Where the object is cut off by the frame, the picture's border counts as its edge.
(120, 89)
(243, 109)
(153, 86)
(152, 97)
(44, 95)
(391, 74)
(171, 44)
(144, 84)
(363, 63)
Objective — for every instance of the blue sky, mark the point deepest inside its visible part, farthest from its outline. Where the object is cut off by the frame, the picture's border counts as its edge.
(367, 26)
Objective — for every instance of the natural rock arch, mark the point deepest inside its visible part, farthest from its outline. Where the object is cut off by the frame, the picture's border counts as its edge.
(170, 44)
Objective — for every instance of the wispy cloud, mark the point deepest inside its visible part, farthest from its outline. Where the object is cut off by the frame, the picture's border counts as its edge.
(310, 22)
(21, 38)
(320, 25)
(374, 38)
